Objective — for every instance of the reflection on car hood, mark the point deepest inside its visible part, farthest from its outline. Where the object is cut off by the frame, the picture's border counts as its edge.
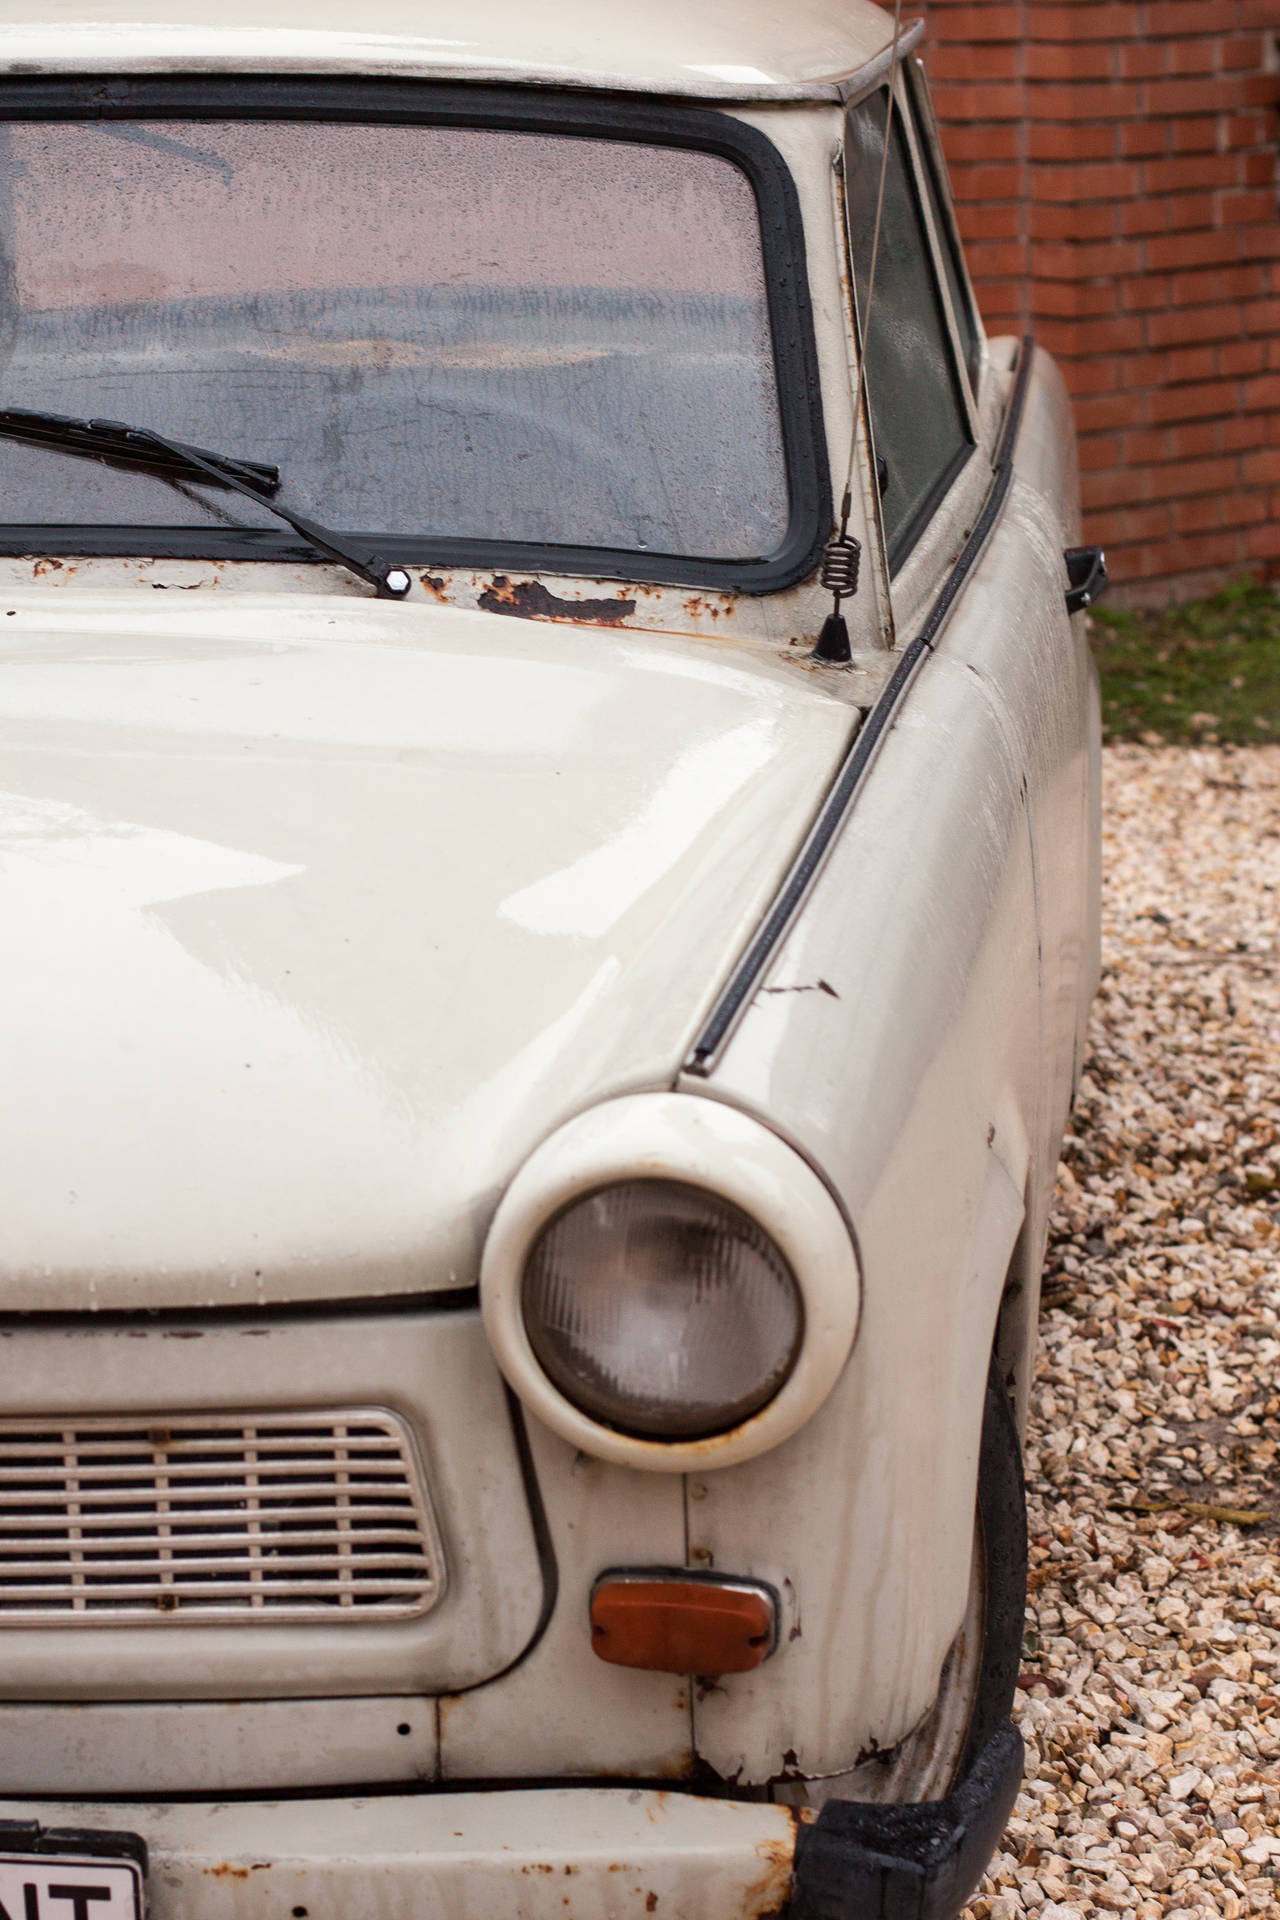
(317, 918)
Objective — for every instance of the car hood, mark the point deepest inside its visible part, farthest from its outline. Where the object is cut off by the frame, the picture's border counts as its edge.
(314, 921)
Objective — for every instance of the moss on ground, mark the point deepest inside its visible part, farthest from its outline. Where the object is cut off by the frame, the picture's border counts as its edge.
(1207, 672)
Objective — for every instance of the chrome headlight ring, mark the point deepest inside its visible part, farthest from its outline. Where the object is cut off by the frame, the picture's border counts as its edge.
(694, 1143)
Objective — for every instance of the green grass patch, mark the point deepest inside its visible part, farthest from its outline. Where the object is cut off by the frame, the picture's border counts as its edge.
(1205, 672)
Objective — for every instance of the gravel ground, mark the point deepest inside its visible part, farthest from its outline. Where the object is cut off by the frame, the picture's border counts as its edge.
(1150, 1700)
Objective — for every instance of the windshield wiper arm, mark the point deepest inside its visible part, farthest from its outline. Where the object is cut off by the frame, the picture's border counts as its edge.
(114, 442)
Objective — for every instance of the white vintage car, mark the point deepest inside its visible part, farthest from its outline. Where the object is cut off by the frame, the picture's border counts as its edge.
(548, 898)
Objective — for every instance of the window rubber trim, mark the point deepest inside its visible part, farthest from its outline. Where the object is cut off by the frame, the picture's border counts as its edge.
(929, 143)
(899, 549)
(506, 109)
(843, 792)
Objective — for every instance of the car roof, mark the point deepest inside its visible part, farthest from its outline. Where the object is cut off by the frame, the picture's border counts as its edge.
(719, 49)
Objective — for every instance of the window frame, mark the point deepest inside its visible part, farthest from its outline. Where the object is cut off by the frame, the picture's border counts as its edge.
(230, 97)
(946, 243)
(909, 536)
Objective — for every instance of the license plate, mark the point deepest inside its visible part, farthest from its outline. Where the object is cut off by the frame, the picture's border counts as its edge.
(69, 1886)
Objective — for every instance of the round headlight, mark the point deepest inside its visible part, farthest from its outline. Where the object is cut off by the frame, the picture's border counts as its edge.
(661, 1310)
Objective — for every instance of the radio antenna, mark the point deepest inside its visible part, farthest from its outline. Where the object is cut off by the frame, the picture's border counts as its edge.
(843, 557)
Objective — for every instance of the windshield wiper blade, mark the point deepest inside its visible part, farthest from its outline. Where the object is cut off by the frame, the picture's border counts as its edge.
(115, 442)
(103, 439)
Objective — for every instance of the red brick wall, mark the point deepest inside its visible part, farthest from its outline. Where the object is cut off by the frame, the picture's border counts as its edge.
(1115, 169)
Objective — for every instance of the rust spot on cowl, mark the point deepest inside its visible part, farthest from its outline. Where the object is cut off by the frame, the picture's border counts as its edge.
(531, 600)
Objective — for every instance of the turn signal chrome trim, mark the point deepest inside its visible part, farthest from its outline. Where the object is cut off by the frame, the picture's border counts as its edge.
(669, 1621)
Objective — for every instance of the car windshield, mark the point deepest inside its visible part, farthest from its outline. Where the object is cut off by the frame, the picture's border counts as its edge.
(434, 331)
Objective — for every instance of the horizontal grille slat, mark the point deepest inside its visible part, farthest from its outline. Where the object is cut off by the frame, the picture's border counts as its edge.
(196, 1441)
(135, 1543)
(24, 1522)
(142, 1565)
(124, 1590)
(251, 1517)
(232, 1490)
(183, 1472)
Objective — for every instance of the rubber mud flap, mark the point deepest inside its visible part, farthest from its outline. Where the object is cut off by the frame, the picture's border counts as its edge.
(908, 1861)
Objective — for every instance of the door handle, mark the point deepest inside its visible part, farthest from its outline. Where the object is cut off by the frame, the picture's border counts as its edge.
(1086, 576)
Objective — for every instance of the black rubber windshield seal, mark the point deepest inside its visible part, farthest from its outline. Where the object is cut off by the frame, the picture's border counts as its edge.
(528, 110)
(840, 798)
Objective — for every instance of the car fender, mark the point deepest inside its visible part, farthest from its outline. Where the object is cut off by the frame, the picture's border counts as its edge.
(895, 1042)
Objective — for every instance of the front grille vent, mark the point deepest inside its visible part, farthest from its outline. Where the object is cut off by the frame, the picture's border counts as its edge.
(215, 1517)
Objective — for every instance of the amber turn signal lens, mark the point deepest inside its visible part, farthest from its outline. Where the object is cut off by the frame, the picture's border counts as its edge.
(674, 1625)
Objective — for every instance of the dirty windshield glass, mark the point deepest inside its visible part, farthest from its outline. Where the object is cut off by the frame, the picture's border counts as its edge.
(432, 331)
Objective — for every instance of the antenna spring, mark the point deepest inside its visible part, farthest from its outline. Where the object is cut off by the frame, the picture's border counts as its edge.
(840, 565)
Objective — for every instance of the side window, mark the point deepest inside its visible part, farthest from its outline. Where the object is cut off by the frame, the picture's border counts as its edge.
(918, 416)
(939, 192)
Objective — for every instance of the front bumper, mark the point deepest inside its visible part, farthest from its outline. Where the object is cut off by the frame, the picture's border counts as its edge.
(561, 1853)
(533, 1854)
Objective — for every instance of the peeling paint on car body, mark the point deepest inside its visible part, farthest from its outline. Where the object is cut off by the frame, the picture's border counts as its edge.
(533, 600)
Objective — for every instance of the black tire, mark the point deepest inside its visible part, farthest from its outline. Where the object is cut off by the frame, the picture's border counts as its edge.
(1002, 1517)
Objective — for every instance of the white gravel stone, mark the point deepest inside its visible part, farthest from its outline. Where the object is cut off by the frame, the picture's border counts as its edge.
(1150, 1700)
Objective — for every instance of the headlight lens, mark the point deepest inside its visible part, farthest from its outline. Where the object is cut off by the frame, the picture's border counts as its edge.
(661, 1310)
